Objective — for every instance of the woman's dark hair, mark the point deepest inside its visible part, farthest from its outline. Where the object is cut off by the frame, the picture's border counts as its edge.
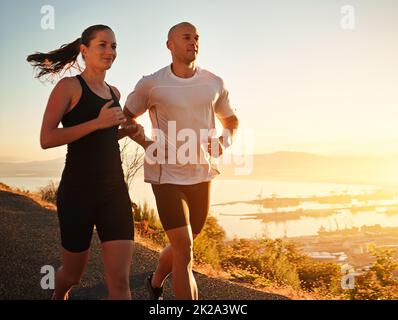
(53, 62)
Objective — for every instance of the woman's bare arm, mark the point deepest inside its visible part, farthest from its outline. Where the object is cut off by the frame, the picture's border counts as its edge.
(59, 101)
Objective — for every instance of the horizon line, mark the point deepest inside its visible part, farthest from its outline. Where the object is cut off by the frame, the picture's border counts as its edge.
(7, 159)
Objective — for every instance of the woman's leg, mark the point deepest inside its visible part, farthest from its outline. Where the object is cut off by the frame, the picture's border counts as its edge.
(70, 273)
(75, 214)
(117, 255)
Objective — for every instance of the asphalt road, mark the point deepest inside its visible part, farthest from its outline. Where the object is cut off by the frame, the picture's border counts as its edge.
(29, 240)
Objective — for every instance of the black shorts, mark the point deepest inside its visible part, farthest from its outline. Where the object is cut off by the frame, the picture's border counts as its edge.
(107, 206)
(182, 205)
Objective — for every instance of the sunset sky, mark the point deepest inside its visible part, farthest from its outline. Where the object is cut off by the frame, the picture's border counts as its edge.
(297, 78)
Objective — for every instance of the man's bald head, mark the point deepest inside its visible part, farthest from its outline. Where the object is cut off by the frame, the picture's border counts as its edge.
(183, 42)
(178, 26)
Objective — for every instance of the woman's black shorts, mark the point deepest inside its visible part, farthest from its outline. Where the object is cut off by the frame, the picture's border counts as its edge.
(107, 206)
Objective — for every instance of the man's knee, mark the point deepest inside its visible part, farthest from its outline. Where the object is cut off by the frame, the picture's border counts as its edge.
(183, 252)
(166, 255)
(119, 281)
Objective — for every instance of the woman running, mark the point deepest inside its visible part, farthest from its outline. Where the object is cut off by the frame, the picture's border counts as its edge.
(92, 191)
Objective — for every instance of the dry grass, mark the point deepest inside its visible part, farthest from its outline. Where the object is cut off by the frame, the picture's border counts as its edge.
(32, 195)
(147, 242)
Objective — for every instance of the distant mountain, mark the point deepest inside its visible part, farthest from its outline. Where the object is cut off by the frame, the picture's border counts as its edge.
(297, 166)
(49, 168)
(288, 166)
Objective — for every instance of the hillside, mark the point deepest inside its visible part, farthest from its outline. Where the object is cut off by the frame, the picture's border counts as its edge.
(29, 239)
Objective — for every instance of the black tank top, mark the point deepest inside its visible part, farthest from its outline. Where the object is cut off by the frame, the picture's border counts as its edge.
(94, 158)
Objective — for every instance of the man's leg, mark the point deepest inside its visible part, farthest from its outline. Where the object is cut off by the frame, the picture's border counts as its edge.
(177, 205)
(164, 266)
(184, 283)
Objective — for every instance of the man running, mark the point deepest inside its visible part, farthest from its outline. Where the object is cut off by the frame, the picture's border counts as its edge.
(182, 100)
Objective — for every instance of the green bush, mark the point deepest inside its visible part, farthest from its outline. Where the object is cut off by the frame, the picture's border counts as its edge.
(319, 276)
(49, 192)
(384, 266)
(378, 282)
(209, 243)
(271, 259)
(144, 212)
(148, 223)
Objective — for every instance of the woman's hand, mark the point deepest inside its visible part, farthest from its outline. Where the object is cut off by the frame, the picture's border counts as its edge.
(110, 117)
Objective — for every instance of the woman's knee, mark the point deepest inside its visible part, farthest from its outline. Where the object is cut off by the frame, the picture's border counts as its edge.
(74, 280)
(70, 278)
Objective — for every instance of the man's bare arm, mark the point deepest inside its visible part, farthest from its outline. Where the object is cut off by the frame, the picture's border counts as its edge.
(230, 125)
(139, 136)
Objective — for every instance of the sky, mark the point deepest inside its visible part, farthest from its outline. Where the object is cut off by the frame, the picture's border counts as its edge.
(299, 78)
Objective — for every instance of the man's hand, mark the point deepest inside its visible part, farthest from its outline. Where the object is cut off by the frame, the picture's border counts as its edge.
(215, 142)
(136, 132)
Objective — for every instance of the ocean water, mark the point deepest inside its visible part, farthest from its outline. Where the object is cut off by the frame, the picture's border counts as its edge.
(230, 215)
